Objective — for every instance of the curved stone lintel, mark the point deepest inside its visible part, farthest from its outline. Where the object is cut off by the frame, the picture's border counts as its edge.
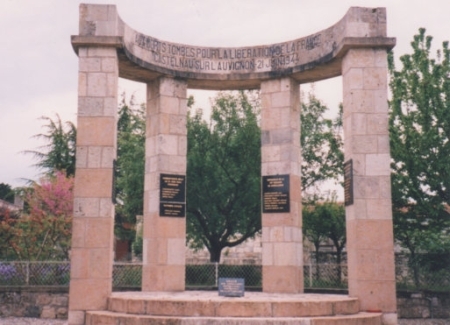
(315, 57)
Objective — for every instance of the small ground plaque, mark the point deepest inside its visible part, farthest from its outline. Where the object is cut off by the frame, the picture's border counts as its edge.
(275, 191)
(231, 287)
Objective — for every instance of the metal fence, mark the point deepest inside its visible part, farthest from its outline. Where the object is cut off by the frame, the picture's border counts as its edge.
(410, 274)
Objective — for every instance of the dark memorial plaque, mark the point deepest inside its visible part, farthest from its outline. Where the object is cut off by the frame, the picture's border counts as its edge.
(231, 287)
(348, 182)
(275, 192)
(172, 188)
(171, 209)
(172, 195)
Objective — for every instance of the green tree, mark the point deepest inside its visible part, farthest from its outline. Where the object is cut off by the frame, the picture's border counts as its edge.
(420, 147)
(6, 193)
(323, 158)
(325, 221)
(58, 154)
(129, 183)
(322, 145)
(223, 174)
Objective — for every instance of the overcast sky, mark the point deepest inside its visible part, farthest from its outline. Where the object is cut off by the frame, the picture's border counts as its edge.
(38, 67)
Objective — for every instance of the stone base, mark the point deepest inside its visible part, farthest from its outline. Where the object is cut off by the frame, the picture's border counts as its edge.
(208, 308)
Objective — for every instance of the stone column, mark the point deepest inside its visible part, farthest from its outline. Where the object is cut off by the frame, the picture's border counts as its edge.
(166, 148)
(371, 269)
(93, 220)
(92, 234)
(280, 154)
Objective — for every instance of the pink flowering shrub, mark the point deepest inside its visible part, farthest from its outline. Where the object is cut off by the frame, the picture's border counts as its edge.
(44, 231)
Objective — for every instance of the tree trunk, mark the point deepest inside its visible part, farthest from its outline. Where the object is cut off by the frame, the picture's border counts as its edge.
(339, 268)
(214, 254)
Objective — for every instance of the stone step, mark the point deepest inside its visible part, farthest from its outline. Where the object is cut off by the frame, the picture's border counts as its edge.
(113, 318)
(209, 304)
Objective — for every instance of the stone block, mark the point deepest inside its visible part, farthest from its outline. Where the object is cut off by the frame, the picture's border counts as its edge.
(282, 279)
(359, 58)
(94, 156)
(86, 207)
(377, 295)
(61, 312)
(375, 78)
(276, 234)
(285, 254)
(270, 86)
(364, 144)
(182, 146)
(358, 123)
(389, 319)
(173, 88)
(177, 124)
(89, 294)
(163, 278)
(136, 306)
(282, 136)
(48, 312)
(172, 164)
(379, 209)
(102, 52)
(353, 79)
(168, 227)
(280, 219)
(109, 64)
(43, 299)
(366, 187)
(99, 232)
(359, 100)
(90, 106)
(78, 233)
(106, 208)
(270, 153)
(81, 157)
(76, 317)
(91, 183)
(82, 84)
(383, 144)
(243, 309)
(110, 106)
(168, 105)
(87, 64)
(167, 144)
(378, 164)
(118, 305)
(302, 309)
(79, 263)
(281, 99)
(374, 233)
(377, 124)
(112, 85)
(176, 251)
(359, 164)
(97, 85)
(270, 119)
(385, 187)
(108, 156)
(96, 131)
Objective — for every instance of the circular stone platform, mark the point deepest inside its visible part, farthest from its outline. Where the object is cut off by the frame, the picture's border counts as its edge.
(207, 307)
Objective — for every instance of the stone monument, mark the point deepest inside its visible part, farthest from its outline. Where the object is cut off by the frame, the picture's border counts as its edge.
(108, 48)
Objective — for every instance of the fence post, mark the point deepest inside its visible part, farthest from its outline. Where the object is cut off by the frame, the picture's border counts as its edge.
(216, 266)
(310, 274)
(27, 273)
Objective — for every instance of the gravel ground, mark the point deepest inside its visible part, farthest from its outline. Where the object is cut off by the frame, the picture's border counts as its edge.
(31, 321)
(38, 321)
